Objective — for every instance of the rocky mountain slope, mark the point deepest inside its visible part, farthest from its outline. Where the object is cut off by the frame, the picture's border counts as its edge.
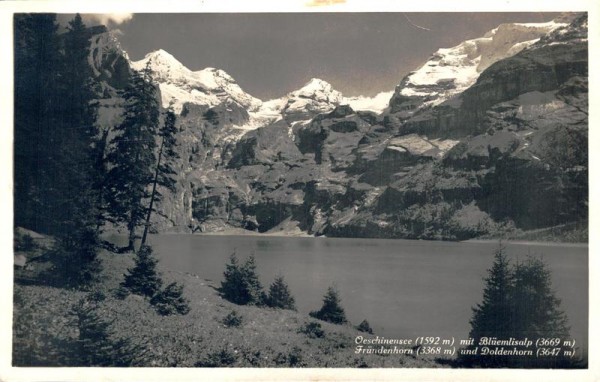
(488, 135)
(451, 71)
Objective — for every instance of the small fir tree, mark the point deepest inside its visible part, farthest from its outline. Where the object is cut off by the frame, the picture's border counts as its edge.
(537, 311)
(95, 344)
(143, 278)
(491, 318)
(253, 287)
(171, 301)
(365, 327)
(241, 284)
(280, 296)
(331, 311)
(232, 284)
(75, 258)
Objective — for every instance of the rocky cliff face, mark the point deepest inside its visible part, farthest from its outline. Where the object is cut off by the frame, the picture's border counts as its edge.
(486, 135)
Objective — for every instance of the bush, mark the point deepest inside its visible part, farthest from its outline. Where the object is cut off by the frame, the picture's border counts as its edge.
(280, 296)
(233, 319)
(241, 285)
(170, 301)
(96, 296)
(365, 327)
(293, 358)
(253, 357)
(121, 293)
(312, 330)
(331, 311)
(143, 279)
(224, 357)
(280, 359)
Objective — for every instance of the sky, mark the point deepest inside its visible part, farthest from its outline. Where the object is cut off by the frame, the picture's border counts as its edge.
(271, 54)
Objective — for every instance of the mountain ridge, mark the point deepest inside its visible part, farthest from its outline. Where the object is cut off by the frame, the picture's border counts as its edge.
(426, 165)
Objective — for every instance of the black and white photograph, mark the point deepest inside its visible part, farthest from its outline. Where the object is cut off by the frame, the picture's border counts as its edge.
(313, 190)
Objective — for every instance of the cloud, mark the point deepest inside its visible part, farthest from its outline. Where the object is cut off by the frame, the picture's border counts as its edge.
(108, 18)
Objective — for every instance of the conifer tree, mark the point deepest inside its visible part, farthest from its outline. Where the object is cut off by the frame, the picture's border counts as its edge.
(75, 194)
(163, 171)
(241, 284)
(170, 301)
(492, 317)
(37, 60)
(132, 154)
(232, 284)
(331, 311)
(537, 310)
(518, 302)
(143, 279)
(54, 130)
(280, 296)
(95, 344)
(254, 293)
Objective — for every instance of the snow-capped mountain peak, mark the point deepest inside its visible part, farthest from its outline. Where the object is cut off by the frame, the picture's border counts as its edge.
(317, 89)
(214, 78)
(450, 71)
(162, 57)
(180, 85)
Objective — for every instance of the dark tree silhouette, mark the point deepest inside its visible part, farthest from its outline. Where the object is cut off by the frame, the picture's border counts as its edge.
(37, 76)
(143, 279)
(537, 310)
(171, 301)
(54, 142)
(280, 296)
(163, 171)
(241, 284)
(132, 154)
(95, 345)
(518, 302)
(331, 311)
(492, 317)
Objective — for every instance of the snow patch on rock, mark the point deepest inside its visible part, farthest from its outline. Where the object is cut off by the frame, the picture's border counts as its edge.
(376, 104)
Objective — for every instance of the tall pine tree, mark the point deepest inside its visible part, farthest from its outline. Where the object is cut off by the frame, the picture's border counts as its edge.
(132, 154)
(163, 171)
(54, 141)
(37, 59)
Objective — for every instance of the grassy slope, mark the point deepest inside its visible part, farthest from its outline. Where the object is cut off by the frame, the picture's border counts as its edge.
(266, 337)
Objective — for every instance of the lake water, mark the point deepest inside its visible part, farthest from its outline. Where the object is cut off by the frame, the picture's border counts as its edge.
(404, 288)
